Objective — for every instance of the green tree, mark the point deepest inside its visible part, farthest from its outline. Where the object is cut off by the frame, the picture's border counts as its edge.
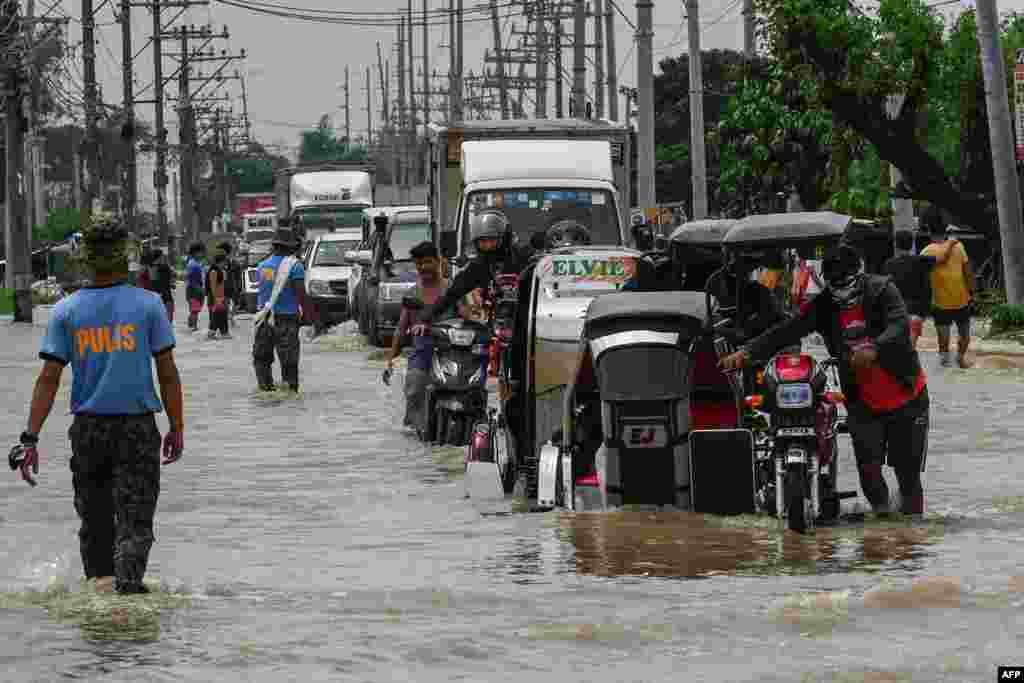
(60, 224)
(857, 61)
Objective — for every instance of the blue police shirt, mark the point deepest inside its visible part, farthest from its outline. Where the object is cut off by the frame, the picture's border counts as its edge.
(194, 275)
(287, 302)
(109, 335)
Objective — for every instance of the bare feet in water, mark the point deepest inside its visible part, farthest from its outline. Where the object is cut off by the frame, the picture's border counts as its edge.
(105, 584)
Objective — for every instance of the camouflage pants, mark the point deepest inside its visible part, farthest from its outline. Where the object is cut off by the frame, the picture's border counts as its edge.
(115, 466)
(283, 338)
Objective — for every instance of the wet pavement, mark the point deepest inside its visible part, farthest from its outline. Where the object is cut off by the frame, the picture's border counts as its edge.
(311, 539)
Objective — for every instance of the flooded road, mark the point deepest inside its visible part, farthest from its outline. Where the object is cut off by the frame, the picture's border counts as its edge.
(310, 539)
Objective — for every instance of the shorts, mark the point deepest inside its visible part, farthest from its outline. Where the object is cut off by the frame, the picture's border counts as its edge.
(961, 316)
(916, 326)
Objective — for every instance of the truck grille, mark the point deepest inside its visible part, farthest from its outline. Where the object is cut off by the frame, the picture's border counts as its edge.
(339, 287)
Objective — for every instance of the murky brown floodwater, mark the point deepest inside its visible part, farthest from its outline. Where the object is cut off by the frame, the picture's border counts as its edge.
(311, 540)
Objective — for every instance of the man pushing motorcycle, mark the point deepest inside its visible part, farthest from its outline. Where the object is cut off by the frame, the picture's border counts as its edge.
(864, 322)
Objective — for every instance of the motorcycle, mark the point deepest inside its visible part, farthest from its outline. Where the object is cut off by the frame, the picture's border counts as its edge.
(797, 471)
(456, 396)
(491, 450)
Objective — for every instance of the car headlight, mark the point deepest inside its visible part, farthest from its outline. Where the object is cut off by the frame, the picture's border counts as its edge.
(394, 291)
(319, 288)
(794, 396)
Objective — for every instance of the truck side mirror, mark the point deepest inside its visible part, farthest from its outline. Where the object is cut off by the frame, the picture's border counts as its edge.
(449, 243)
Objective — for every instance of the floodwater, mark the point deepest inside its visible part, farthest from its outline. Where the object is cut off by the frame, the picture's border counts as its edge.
(310, 539)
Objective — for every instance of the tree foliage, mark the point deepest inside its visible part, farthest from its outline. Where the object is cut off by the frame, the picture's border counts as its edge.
(320, 145)
(857, 61)
(60, 224)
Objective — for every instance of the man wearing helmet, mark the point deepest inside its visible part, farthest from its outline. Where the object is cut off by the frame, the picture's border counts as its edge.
(110, 333)
(497, 254)
(864, 322)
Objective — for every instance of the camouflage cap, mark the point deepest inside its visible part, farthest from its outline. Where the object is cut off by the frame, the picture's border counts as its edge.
(105, 243)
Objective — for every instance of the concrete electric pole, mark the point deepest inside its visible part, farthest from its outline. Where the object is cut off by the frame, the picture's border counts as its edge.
(749, 29)
(1001, 135)
(646, 196)
(599, 60)
(611, 64)
(89, 91)
(579, 64)
(130, 172)
(698, 159)
(18, 237)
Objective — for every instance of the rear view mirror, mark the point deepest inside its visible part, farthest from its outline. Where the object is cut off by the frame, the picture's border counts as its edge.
(363, 258)
(449, 243)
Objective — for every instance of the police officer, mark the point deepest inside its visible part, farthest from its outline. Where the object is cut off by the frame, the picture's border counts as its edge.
(110, 332)
(277, 325)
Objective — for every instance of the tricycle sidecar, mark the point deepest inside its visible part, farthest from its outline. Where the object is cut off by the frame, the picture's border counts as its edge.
(649, 418)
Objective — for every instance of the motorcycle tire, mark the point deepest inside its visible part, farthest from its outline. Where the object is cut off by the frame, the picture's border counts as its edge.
(501, 440)
(795, 483)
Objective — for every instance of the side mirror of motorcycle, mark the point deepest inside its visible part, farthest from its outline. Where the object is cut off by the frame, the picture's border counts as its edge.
(460, 261)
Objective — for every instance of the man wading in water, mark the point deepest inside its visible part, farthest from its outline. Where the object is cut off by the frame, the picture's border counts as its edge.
(429, 288)
(110, 333)
(281, 297)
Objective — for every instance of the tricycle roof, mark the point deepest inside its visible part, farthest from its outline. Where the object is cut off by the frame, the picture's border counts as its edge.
(647, 305)
(782, 230)
(703, 231)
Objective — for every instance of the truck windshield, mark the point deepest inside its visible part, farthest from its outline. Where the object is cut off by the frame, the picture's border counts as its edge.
(332, 217)
(333, 253)
(259, 235)
(405, 236)
(535, 210)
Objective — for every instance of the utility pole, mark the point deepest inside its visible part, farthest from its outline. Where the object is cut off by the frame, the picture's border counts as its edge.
(383, 89)
(348, 112)
(599, 60)
(186, 125)
(613, 78)
(452, 49)
(700, 183)
(749, 27)
(646, 197)
(18, 237)
(499, 55)
(130, 183)
(36, 201)
(403, 156)
(1001, 136)
(426, 66)
(542, 60)
(369, 110)
(89, 78)
(579, 65)
(160, 175)
(412, 147)
(460, 64)
(559, 80)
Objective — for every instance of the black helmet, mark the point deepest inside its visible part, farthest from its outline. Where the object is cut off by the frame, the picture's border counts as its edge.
(489, 224)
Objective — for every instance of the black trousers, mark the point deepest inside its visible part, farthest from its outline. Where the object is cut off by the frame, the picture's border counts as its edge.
(899, 439)
(282, 338)
(115, 466)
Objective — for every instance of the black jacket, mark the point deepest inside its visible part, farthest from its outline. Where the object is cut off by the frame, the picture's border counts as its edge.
(478, 273)
(887, 324)
(760, 309)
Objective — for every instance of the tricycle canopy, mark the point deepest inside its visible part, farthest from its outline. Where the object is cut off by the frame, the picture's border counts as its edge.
(704, 233)
(810, 232)
(683, 312)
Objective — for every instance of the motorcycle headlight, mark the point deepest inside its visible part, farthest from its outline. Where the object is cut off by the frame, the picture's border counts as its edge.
(794, 396)
(461, 337)
(319, 288)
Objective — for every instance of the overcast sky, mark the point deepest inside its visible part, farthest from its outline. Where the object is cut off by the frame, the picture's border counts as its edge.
(294, 69)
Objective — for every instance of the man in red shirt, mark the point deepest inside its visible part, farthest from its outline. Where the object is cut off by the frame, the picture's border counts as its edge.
(864, 322)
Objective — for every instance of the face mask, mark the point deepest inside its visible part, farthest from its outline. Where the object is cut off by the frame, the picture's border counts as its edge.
(846, 291)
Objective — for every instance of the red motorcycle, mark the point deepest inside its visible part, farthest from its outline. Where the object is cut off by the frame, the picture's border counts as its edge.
(491, 460)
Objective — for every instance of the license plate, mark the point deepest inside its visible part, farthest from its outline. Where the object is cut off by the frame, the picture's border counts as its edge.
(795, 456)
(646, 436)
(796, 431)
